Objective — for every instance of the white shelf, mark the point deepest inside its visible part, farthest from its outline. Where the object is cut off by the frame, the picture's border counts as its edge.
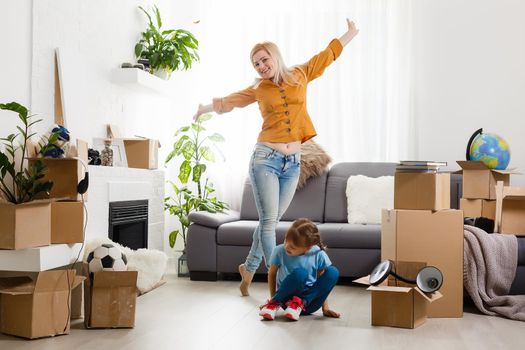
(39, 259)
(140, 79)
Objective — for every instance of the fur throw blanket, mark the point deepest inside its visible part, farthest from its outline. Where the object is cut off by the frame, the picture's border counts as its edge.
(150, 263)
(314, 161)
(490, 262)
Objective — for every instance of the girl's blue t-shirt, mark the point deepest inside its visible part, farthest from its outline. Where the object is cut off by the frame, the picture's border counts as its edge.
(313, 260)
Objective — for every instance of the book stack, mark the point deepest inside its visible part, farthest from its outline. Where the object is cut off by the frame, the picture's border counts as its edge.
(419, 166)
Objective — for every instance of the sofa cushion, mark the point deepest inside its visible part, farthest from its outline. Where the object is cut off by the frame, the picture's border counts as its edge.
(307, 202)
(335, 200)
(367, 196)
(356, 236)
(240, 233)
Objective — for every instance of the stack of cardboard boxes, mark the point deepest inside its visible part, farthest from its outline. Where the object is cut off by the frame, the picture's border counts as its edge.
(487, 194)
(423, 230)
(36, 305)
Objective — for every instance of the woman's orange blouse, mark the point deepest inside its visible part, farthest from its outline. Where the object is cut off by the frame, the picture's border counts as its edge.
(283, 107)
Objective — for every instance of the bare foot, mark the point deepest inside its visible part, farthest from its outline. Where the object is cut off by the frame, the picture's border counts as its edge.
(246, 280)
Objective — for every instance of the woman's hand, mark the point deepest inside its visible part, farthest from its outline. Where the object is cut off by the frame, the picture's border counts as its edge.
(350, 33)
(331, 313)
(199, 112)
(352, 30)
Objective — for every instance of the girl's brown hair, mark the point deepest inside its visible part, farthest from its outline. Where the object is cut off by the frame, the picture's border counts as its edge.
(304, 233)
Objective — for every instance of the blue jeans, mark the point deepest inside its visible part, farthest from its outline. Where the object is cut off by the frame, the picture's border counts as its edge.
(274, 178)
(313, 296)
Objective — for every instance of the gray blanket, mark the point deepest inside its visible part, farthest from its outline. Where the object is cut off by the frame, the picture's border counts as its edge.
(490, 263)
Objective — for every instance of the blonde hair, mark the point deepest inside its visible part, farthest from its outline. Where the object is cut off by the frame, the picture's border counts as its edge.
(283, 73)
(304, 233)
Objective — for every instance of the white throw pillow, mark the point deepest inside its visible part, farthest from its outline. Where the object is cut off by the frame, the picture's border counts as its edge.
(367, 196)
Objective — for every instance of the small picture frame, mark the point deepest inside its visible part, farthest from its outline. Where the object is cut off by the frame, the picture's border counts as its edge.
(119, 152)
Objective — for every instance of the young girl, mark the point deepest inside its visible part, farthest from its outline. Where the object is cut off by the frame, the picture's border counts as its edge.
(301, 275)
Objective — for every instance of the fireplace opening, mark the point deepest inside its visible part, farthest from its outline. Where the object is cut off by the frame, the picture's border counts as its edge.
(128, 223)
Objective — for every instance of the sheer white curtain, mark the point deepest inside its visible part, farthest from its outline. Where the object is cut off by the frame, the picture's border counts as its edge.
(360, 106)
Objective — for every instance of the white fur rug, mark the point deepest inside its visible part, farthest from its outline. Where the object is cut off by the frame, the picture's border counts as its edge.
(150, 263)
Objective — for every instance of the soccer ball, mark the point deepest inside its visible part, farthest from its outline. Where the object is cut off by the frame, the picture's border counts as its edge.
(107, 257)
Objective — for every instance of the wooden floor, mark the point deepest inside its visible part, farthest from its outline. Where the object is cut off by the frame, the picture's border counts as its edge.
(211, 315)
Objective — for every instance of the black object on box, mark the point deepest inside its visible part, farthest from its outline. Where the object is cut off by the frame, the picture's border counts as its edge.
(485, 224)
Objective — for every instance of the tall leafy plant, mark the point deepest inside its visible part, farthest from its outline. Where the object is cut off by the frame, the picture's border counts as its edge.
(19, 184)
(192, 147)
(171, 49)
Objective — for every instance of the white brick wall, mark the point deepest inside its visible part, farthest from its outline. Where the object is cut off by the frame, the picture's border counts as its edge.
(108, 184)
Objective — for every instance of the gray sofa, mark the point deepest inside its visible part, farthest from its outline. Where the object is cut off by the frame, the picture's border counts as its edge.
(218, 243)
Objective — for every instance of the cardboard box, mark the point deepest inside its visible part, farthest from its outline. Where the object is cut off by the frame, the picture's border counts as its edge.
(510, 210)
(67, 222)
(110, 299)
(40, 308)
(403, 307)
(25, 225)
(479, 182)
(435, 238)
(426, 191)
(65, 173)
(476, 208)
(142, 153)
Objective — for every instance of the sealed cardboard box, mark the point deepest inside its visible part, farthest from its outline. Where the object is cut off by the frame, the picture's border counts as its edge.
(110, 299)
(25, 225)
(435, 238)
(510, 210)
(39, 308)
(479, 182)
(475, 208)
(425, 191)
(67, 222)
(142, 153)
(403, 307)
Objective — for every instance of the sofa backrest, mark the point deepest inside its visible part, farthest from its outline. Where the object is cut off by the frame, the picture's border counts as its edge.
(335, 200)
(307, 202)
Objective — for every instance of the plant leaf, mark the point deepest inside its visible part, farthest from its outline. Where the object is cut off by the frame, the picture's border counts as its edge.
(184, 171)
(216, 137)
(207, 153)
(173, 238)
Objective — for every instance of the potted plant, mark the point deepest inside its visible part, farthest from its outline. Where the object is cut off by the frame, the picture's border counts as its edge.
(166, 50)
(192, 147)
(24, 223)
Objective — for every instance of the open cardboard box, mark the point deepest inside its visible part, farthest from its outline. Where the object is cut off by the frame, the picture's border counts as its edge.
(425, 191)
(479, 182)
(65, 173)
(67, 222)
(110, 299)
(435, 237)
(25, 225)
(142, 153)
(398, 306)
(37, 308)
(476, 208)
(510, 210)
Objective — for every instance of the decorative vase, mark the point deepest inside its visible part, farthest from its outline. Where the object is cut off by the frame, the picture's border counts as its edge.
(162, 73)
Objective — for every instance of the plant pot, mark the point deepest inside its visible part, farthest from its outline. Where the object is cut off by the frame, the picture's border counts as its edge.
(182, 266)
(25, 225)
(162, 73)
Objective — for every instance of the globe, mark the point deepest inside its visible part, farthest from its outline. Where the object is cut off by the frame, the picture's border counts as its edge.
(491, 149)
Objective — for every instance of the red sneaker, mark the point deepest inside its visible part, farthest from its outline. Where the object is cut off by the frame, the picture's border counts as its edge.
(269, 309)
(294, 308)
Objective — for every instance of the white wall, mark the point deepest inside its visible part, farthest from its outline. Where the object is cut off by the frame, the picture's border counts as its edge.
(15, 59)
(469, 74)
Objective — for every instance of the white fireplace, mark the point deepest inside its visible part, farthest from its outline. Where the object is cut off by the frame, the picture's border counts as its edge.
(116, 184)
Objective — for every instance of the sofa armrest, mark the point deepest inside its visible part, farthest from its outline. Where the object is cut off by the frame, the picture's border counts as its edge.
(214, 220)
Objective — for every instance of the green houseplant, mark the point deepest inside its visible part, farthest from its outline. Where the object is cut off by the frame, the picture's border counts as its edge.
(17, 183)
(167, 50)
(192, 147)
